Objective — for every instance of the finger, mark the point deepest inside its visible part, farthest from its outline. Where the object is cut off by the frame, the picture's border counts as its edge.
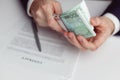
(100, 39)
(87, 45)
(74, 40)
(50, 19)
(90, 39)
(55, 26)
(95, 21)
(66, 36)
(57, 7)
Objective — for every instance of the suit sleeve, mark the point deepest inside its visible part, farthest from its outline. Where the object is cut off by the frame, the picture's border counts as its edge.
(114, 8)
(24, 3)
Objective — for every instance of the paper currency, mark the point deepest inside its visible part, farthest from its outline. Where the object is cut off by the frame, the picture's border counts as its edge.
(77, 20)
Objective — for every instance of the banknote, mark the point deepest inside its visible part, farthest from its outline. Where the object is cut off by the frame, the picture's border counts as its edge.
(77, 20)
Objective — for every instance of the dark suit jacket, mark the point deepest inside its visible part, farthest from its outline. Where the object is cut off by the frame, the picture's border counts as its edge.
(114, 8)
(24, 3)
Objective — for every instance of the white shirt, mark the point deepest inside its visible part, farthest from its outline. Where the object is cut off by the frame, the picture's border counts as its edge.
(109, 15)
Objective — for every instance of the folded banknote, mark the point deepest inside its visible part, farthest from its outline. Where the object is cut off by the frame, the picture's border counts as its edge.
(77, 20)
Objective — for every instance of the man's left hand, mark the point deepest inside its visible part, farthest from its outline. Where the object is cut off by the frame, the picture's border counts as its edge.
(103, 27)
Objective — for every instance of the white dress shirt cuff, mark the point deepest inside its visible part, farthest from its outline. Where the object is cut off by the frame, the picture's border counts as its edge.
(29, 6)
(115, 21)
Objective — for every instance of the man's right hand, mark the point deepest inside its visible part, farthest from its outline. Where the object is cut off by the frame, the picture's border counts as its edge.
(43, 10)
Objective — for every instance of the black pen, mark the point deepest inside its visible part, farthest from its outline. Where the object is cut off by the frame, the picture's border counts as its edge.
(35, 31)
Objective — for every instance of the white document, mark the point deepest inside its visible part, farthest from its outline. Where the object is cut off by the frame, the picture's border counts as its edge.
(57, 58)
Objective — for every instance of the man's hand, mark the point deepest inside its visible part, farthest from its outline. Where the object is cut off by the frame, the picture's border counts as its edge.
(43, 10)
(104, 27)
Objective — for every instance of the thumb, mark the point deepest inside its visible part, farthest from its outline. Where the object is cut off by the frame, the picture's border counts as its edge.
(96, 21)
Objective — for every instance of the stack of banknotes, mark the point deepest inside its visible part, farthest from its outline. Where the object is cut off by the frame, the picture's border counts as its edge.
(77, 20)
